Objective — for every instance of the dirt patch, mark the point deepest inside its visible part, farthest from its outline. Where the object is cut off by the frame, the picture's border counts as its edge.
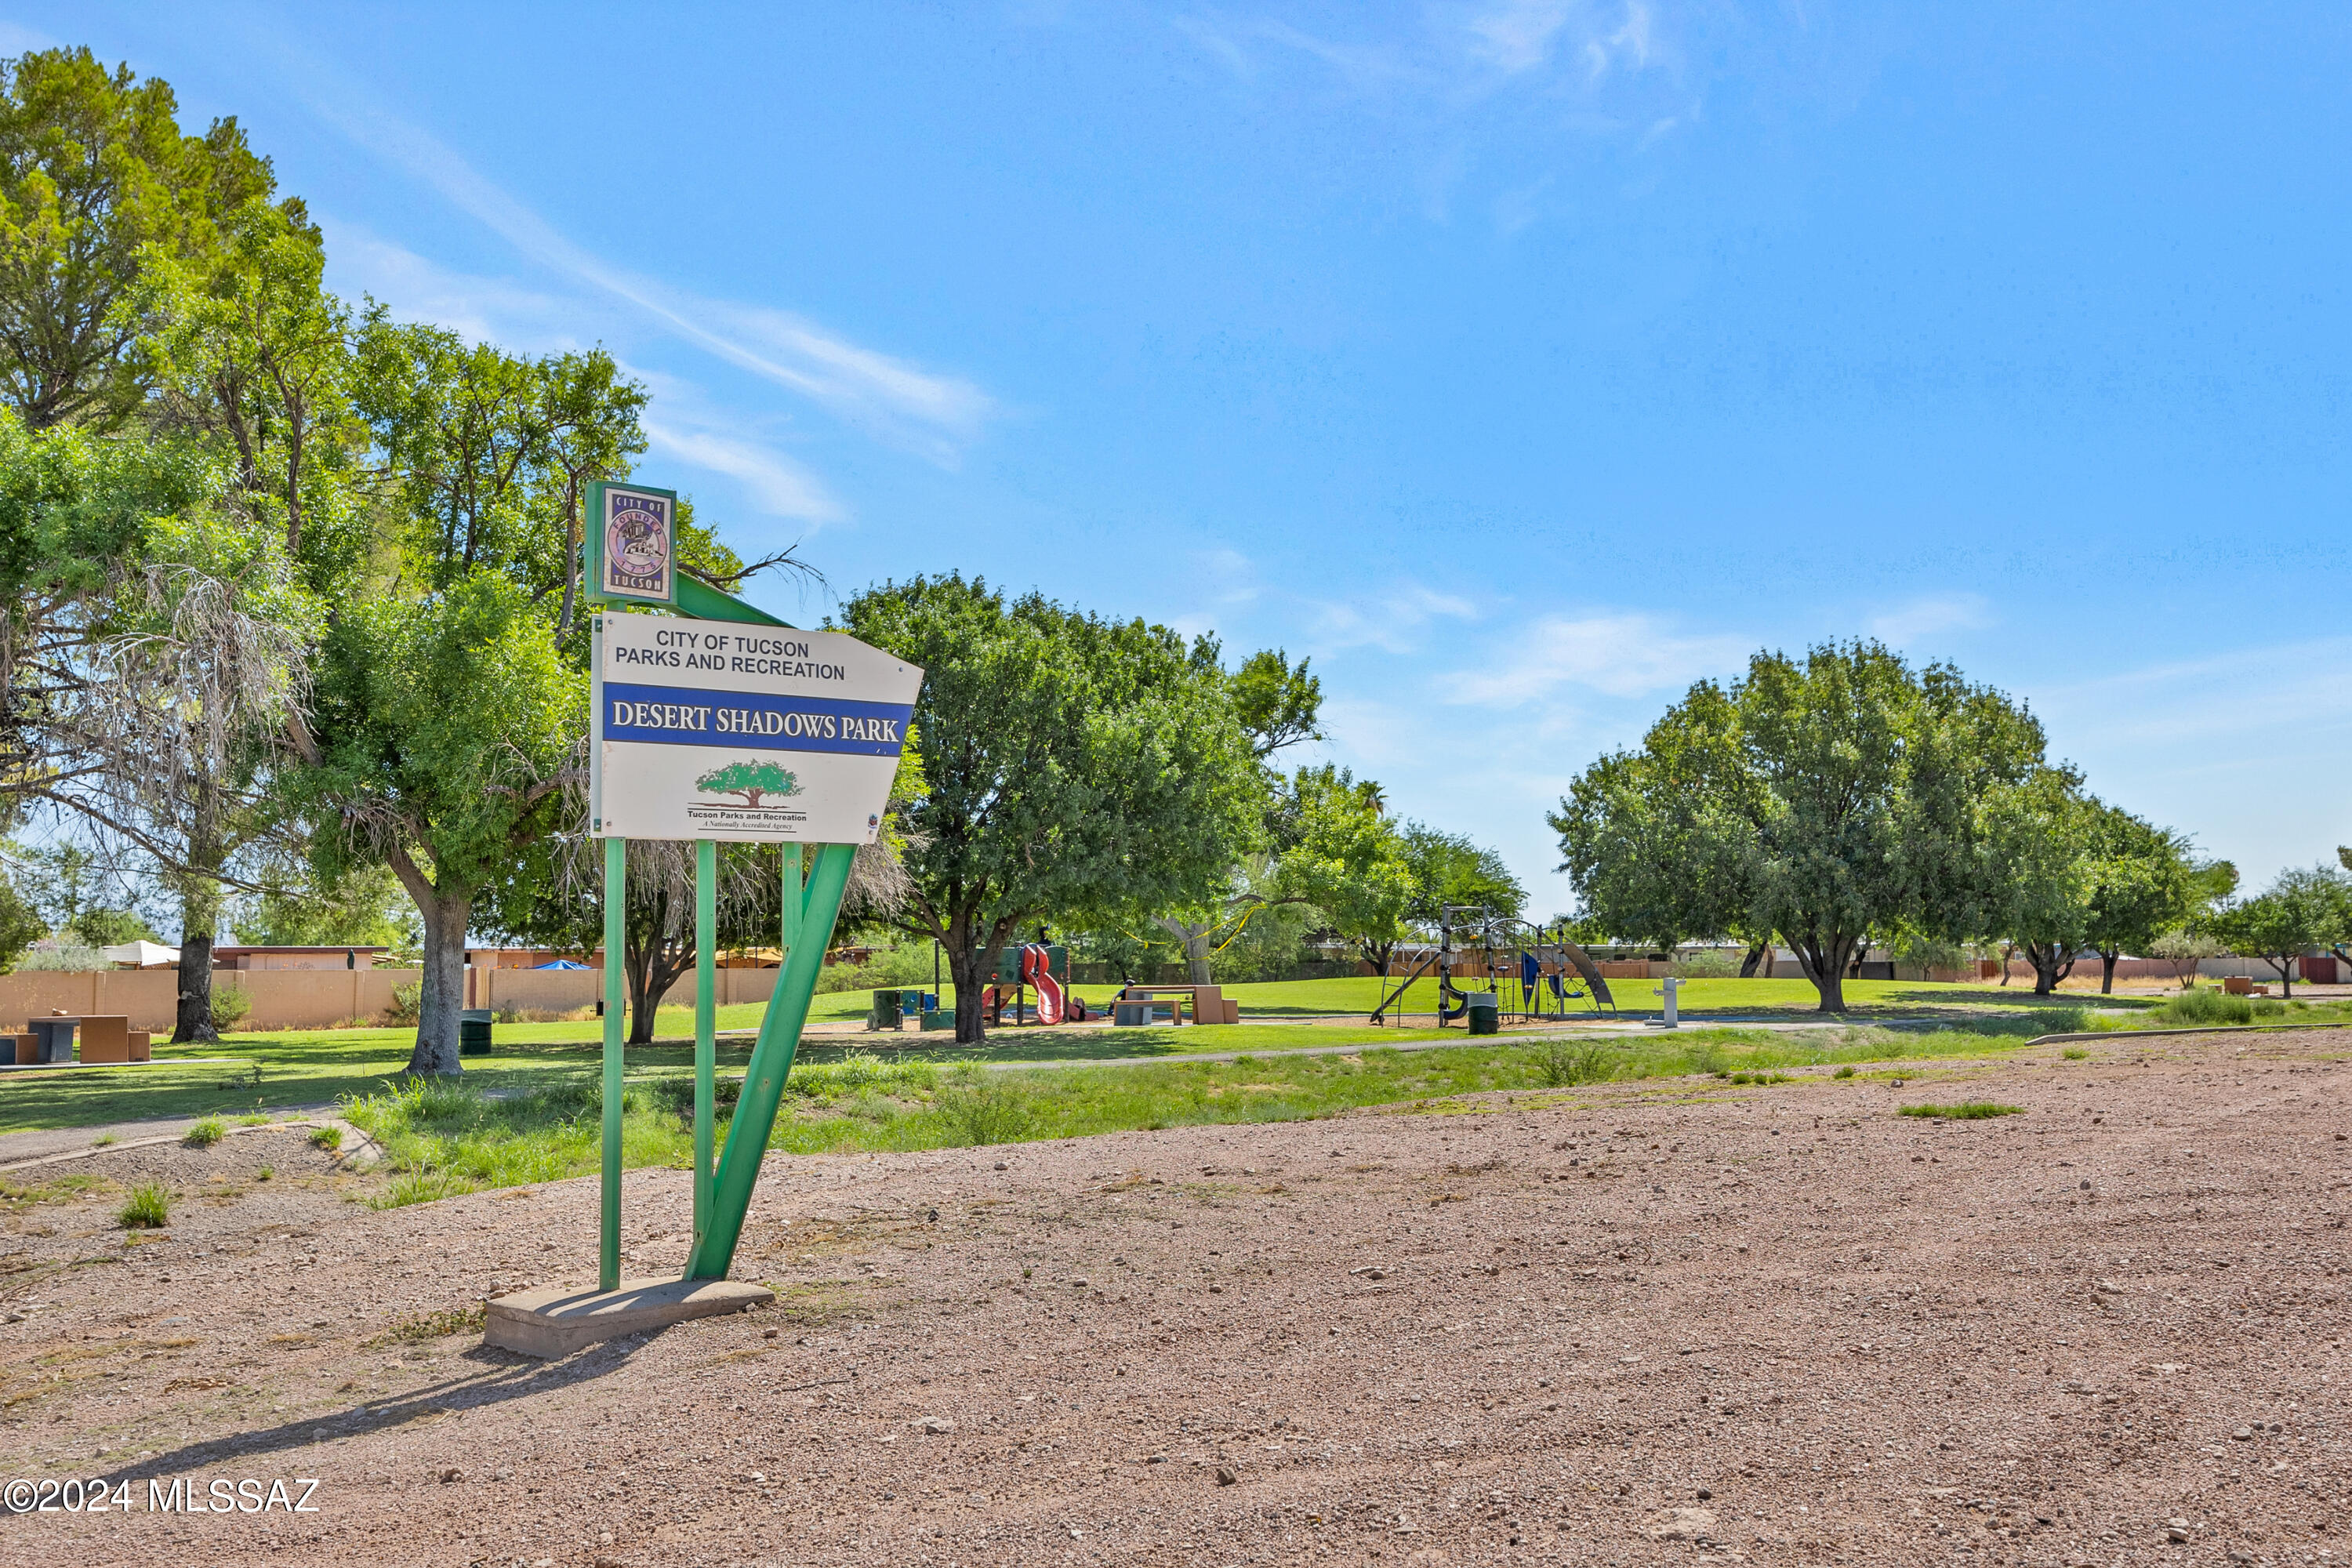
(1779, 1321)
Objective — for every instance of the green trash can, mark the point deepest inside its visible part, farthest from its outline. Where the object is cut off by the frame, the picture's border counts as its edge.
(887, 1012)
(1486, 1019)
(474, 1032)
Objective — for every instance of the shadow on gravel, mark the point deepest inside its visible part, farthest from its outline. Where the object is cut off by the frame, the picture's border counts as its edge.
(507, 1376)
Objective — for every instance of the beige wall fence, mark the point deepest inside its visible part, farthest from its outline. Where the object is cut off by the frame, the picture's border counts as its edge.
(282, 998)
(316, 998)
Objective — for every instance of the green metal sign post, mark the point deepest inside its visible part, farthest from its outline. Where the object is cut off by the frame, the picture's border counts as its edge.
(710, 732)
(754, 732)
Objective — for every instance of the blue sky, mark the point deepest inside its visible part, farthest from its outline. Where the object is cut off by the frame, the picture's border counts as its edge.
(1520, 361)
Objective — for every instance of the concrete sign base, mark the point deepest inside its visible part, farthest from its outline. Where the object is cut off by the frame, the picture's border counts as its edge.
(556, 1321)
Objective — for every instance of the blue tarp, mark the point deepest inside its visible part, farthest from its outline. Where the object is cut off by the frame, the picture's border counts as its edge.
(560, 964)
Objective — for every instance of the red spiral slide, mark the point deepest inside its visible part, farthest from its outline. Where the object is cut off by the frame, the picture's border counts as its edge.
(1037, 969)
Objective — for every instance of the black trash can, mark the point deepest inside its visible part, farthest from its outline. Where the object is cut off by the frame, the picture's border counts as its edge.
(474, 1032)
(1484, 1016)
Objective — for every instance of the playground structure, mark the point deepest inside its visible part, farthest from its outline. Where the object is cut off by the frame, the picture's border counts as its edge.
(1043, 967)
(1532, 972)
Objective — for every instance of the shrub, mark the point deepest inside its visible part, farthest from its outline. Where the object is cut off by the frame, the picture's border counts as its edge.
(2202, 1008)
(1846, 1071)
(1968, 1111)
(1561, 1065)
(207, 1132)
(676, 1095)
(2035, 1021)
(328, 1137)
(982, 1108)
(905, 966)
(149, 1208)
(1712, 964)
(407, 1003)
(72, 957)
(231, 1005)
(2075, 1053)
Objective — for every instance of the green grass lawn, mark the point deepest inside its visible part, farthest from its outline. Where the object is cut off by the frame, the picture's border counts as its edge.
(446, 1138)
(1865, 998)
(294, 1068)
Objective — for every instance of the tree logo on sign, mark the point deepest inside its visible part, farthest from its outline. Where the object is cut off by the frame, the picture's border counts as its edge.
(751, 780)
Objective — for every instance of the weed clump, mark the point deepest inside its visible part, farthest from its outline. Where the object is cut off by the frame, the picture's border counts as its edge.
(435, 1325)
(328, 1137)
(982, 1107)
(1561, 1065)
(207, 1132)
(1968, 1111)
(149, 1207)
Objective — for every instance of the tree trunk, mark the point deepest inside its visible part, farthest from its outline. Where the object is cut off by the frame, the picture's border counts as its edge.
(654, 962)
(2285, 970)
(971, 968)
(2007, 951)
(2108, 973)
(1756, 956)
(1196, 946)
(2053, 961)
(446, 914)
(194, 1020)
(651, 975)
(200, 911)
(1824, 961)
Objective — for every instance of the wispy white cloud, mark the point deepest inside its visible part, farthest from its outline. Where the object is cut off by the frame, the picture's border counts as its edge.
(492, 309)
(937, 413)
(16, 39)
(1616, 655)
(780, 487)
(1518, 35)
(1928, 615)
(1394, 625)
(2244, 750)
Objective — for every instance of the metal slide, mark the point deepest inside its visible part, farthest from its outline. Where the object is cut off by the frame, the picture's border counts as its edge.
(1590, 971)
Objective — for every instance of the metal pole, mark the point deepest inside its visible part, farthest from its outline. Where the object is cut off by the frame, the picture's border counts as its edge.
(772, 1061)
(617, 900)
(705, 1021)
(793, 900)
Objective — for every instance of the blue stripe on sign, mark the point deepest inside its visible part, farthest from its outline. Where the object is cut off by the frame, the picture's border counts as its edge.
(684, 716)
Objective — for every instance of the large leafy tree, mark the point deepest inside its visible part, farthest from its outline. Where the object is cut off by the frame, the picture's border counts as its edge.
(1346, 858)
(1087, 768)
(2144, 883)
(2302, 910)
(451, 706)
(2040, 847)
(1822, 799)
(96, 180)
(446, 728)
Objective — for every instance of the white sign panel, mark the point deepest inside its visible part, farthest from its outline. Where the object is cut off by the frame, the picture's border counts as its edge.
(722, 730)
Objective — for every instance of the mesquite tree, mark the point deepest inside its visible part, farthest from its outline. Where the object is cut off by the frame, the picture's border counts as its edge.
(1073, 765)
(1819, 799)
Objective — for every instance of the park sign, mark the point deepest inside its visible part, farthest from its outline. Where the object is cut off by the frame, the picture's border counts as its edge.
(733, 730)
(631, 544)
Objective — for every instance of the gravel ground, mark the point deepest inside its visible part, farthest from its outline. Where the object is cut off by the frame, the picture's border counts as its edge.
(1681, 1322)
